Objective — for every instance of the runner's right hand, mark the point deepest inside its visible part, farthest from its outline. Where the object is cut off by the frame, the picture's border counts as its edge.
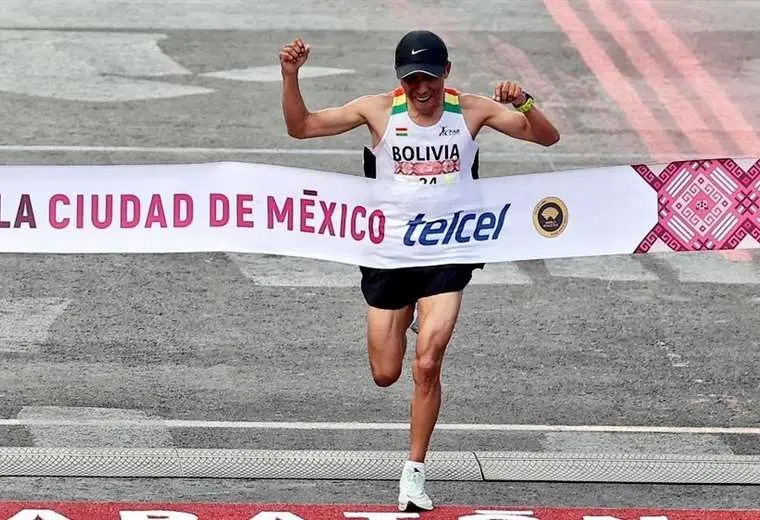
(293, 56)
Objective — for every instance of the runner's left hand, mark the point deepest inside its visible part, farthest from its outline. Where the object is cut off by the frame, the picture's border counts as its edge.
(508, 92)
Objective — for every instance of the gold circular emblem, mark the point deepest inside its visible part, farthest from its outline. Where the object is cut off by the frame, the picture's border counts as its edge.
(550, 217)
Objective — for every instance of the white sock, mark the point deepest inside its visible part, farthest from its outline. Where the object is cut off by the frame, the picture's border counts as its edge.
(410, 464)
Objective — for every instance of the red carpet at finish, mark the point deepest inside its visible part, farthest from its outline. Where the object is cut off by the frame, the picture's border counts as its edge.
(192, 511)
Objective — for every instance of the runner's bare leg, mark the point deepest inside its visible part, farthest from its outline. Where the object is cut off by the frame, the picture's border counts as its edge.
(437, 318)
(386, 342)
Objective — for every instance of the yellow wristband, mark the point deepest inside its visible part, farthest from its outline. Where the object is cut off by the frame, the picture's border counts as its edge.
(526, 106)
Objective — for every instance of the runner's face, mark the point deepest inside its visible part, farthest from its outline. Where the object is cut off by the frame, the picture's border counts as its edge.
(423, 91)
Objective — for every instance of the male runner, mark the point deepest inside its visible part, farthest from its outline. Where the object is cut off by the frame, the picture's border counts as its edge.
(421, 112)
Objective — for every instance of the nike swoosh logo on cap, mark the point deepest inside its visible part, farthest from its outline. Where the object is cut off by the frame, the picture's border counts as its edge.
(417, 51)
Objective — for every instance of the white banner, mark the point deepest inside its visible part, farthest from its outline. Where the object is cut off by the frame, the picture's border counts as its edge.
(260, 208)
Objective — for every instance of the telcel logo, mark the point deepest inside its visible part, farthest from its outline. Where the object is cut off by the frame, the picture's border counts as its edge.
(486, 226)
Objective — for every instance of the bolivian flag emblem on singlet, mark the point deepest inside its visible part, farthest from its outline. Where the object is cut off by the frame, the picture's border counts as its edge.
(401, 131)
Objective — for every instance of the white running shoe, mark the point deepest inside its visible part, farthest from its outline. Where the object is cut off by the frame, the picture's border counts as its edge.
(412, 490)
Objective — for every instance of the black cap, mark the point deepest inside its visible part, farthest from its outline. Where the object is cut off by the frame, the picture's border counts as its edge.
(421, 51)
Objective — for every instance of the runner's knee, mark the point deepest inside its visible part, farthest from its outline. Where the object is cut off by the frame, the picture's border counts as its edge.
(386, 361)
(386, 371)
(386, 342)
(426, 370)
(386, 376)
(431, 344)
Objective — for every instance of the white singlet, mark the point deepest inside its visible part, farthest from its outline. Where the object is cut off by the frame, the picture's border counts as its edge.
(443, 153)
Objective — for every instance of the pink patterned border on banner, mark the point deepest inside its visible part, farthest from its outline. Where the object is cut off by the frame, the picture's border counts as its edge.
(703, 205)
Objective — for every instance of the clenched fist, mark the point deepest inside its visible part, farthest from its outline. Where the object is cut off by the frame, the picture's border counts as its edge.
(293, 56)
(509, 92)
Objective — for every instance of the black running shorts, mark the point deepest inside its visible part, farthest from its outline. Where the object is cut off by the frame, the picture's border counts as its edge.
(397, 288)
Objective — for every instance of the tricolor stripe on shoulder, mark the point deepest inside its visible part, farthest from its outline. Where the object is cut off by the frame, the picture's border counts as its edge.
(399, 101)
(451, 101)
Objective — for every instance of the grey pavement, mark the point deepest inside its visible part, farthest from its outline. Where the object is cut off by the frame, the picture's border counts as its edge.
(658, 340)
(546, 494)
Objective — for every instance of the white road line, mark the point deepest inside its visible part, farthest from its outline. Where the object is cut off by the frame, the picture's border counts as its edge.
(500, 274)
(285, 151)
(24, 322)
(712, 267)
(272, 73)
(624, 442)
(346, 426)
(90, 66)
(611, 268)
(267, 271)
(175, 149)
(94, 427)
(283, 271)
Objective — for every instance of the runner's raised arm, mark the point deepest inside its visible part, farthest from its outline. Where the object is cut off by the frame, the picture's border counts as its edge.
(300, 122)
